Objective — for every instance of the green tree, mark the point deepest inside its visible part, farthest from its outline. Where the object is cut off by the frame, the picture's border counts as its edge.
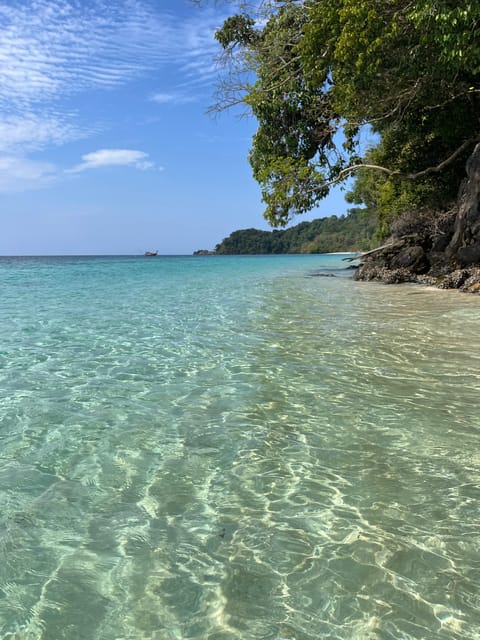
(319, 71)
(353, 232)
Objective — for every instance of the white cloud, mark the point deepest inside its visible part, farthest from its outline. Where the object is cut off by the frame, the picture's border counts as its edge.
(172, 98)
(112, 157)
(21, 174)
(51, 50)
(31, 131)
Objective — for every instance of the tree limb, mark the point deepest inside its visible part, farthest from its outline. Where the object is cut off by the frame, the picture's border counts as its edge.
(390, 245)
(400, 174)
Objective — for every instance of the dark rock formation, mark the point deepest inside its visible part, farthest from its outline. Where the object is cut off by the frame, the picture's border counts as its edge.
(441, 249)
(453, 280)
(472, 283)
(469, 255)
(412, 258)
(467, 222)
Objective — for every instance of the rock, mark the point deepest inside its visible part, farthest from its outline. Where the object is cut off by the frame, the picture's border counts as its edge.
(469, 255)
(397, 276)
(453, 280)
(472, 283)
(369, 271)
(439, 248)
(323, 275)
(440, 243)
(412, 258)
(472, 288)
(438, 266)
(467, 223)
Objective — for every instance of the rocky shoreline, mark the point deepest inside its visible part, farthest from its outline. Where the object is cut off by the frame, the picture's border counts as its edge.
(466, 280)
(432, 248)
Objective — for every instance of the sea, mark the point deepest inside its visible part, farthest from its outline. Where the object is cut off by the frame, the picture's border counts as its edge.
(236, 447)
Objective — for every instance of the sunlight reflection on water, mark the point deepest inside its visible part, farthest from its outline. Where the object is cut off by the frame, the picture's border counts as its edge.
(230, 449)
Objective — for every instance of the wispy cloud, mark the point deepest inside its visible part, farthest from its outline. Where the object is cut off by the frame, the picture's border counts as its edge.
(29, 131)
(21, 174)
(113, 157)
(53, 49)
(175, 98)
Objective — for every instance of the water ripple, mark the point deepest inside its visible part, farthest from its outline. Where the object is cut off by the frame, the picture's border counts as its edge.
(226, 449)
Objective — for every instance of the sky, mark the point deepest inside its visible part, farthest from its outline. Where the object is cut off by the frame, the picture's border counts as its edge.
(106, 146)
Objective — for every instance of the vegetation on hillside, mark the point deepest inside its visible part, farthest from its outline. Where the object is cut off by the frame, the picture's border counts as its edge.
(353, 232)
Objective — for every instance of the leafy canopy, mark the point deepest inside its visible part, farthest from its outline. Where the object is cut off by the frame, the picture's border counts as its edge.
(353, 232)
(316, 72)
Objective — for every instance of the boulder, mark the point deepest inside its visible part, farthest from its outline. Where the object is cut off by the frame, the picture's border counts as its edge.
(454, 280)
(469, 255)
(412, 258)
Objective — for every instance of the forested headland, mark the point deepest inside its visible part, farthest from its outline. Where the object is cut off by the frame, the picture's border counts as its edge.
(352, 232)
(317, 76)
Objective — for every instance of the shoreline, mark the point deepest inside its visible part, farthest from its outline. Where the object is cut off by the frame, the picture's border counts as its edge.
(465, 280)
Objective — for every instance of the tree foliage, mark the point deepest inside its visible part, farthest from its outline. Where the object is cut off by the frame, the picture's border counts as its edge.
(319, 71)
(353, 232)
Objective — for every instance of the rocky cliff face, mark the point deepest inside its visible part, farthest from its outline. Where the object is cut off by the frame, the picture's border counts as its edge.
(464, 247)
(437, 249)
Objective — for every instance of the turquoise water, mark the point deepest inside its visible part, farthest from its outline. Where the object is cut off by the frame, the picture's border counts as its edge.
(232, 448)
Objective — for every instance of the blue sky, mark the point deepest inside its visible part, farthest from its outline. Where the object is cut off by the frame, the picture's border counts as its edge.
(105, 143)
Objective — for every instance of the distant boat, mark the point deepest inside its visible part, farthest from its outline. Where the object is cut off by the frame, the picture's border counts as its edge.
(151, 254)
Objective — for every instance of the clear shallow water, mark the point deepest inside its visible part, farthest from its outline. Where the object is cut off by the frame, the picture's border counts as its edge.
(228, 447)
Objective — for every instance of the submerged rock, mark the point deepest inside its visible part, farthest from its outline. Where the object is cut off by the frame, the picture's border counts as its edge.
(323, 275)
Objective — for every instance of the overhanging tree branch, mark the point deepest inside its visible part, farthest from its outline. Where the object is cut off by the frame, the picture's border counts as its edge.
(344, 173)
(315, 65)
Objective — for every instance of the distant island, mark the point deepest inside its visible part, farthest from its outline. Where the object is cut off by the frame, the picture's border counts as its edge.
(354, 231)
(204, 252)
